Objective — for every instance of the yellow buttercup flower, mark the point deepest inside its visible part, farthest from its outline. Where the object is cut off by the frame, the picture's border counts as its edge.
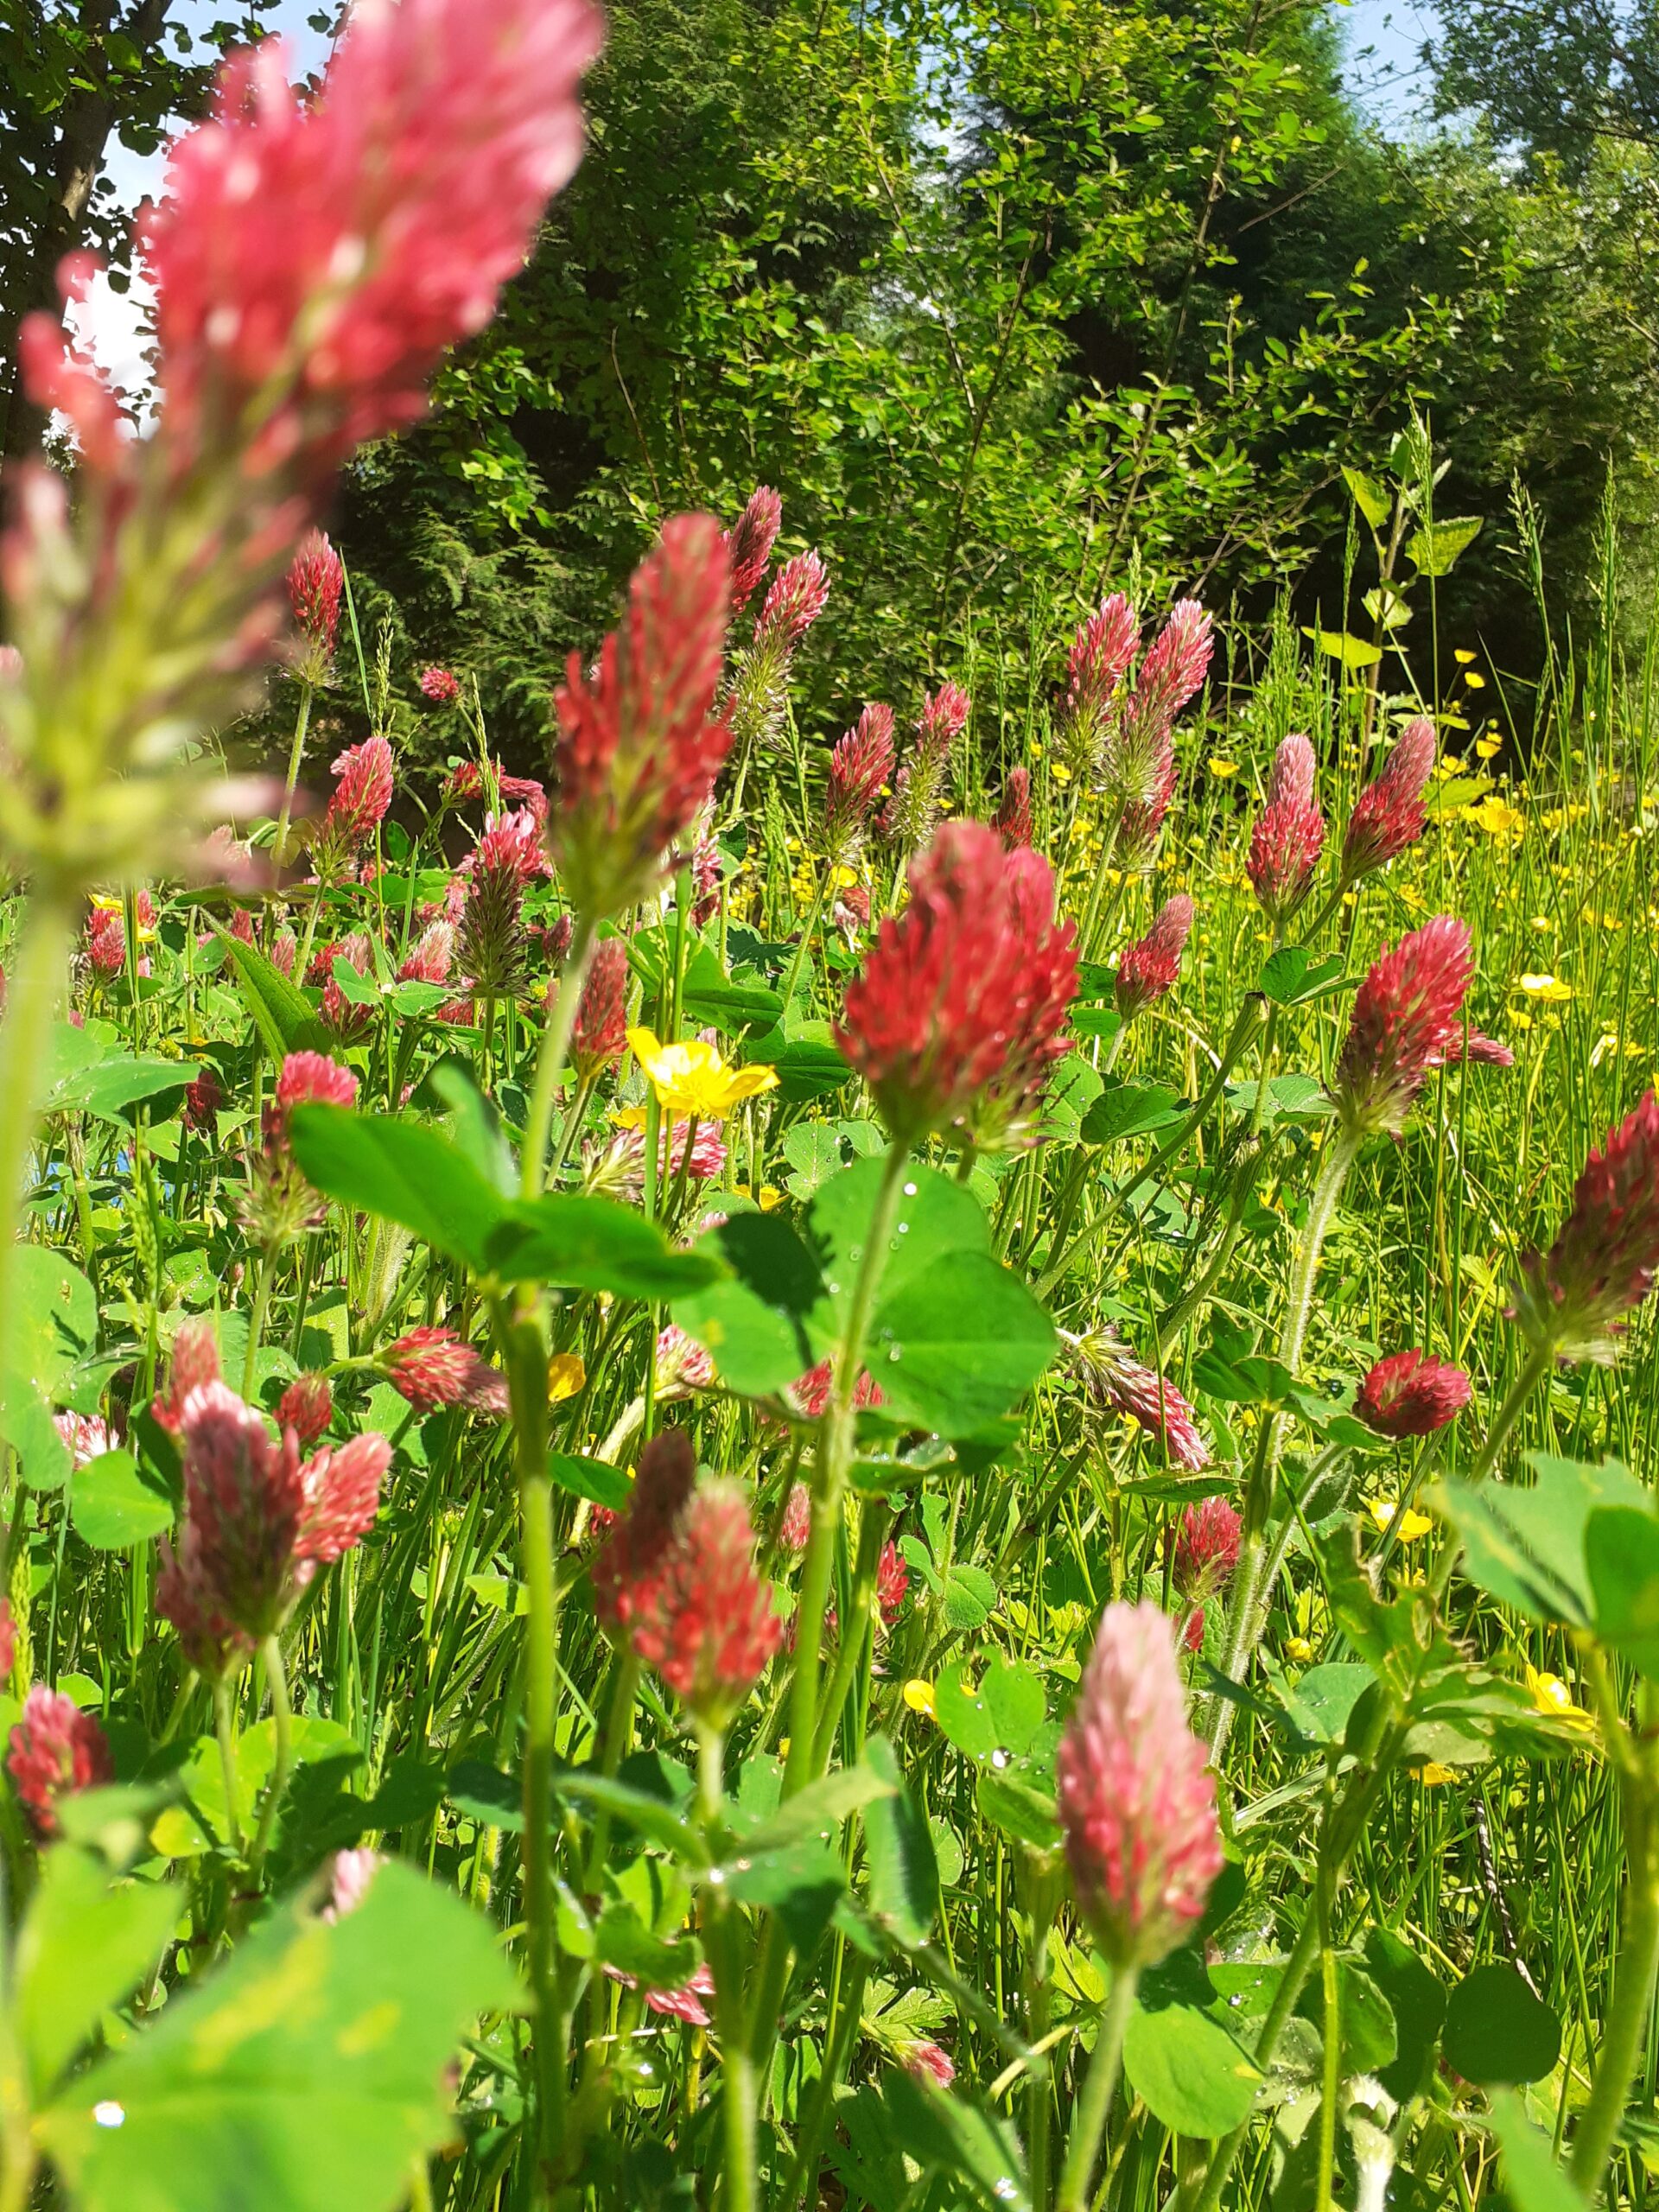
(1412, 1524)
(691, 1080)
(1497, 819)
(1545, 987)
(1462, 655)
(1474, 679)
(565, 1376)
(919, 1696)
(1551, 1695)
(1220, 767)
(1489, 748)
(1432, 1775)
(771, 1196)
(1298, 1648)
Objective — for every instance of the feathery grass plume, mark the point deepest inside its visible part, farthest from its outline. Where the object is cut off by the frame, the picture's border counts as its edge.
(639, 743)
(1151, 965)
(1136, 1801)
(1406, 1013)
(1390, 815)
(963, 1001)
(1408, 1394)
(1573, 1299)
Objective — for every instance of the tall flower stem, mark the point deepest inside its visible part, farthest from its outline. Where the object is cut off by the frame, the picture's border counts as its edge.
(556, 1043)
(270, 1653)
(1238, 1037)
(1089, 2114)
(1626, 2026)
(296, 753)
(837, 1439)
(525, 1349)
(729, 1967)
(1250, 1582)
(226, 1760)
(37, 968)
(1539, 1361)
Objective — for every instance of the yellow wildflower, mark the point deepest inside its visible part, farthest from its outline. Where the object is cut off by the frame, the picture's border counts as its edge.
(1545, 987)
(919, 1696)
(1497, 819)
(1298, 1648)
(1412, 1524)
(1474, 679)
(1462, 655)
(691, 1079)
(1432, 1775)
(1489, 748)
(565, 1376)
(771, 1195)
(1220, 767)
(1551, 1695)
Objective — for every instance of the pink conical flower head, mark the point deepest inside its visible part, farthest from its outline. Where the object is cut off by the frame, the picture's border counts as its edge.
(1406, 1012)
(1573, 1299)
(1408, 1394)
(1012, 823)
(1390, 815)
(56, 1751)
(749, 542)
(963, 999)
(640, 742)
(1151, 966)
(1101, 652)
(1204, 1547)
(712, 1627)
(1136, 1802)
(600, 1036)
(860, 763)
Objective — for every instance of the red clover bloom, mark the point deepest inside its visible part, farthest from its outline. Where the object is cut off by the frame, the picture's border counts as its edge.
(1407, 1012)
(964, 998)
(56, 1752)
(1408, 1394)
(1573, 1299)
(639, 745)
(1389, 815)
(1150, 967)
(1136, 1802)
(749, 542)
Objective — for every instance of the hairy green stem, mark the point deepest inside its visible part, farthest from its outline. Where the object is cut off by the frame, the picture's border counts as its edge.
(837, 1438)
(549, 1061)
(270, 1653)
(526, 1354)
(37, 967)
(1624, 2031)
(279, 844)
(226, 1760)
(1089, 2115)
